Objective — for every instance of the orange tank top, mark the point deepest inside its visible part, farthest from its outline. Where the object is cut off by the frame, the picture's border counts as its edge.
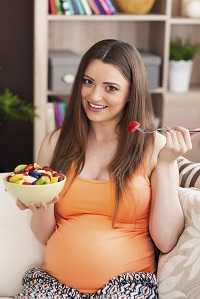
(85, 251)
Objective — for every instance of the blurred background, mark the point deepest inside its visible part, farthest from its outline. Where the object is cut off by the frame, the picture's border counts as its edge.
(16, 74)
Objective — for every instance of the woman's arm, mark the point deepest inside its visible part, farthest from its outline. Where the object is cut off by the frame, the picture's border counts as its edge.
(43, 218)
(43, 222)
(166, 216)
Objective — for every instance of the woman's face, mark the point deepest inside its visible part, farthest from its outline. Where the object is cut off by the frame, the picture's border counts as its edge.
(104, 92)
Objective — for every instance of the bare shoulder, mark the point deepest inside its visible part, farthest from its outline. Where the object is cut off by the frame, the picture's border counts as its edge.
(158, 144)
(47, 148)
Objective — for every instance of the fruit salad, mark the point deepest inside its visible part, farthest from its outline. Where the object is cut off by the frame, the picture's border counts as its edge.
(34, 174)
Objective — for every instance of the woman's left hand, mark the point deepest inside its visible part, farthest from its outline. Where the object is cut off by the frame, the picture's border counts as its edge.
(178, 142)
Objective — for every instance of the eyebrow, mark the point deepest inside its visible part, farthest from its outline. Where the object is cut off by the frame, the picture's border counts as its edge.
(110, 83)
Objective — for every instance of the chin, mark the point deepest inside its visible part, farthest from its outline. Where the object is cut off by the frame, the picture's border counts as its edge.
(95, 118)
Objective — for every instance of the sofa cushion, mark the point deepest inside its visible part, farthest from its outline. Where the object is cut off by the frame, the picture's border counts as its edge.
(19, 248)
(179, 270)
(189, 173)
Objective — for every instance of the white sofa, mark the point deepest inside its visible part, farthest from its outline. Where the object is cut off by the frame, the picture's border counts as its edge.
(178, 271)
(18, 247)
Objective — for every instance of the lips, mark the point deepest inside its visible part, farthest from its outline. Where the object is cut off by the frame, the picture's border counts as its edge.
(96, 107)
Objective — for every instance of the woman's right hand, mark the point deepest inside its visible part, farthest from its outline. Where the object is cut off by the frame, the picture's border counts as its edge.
(39, 206)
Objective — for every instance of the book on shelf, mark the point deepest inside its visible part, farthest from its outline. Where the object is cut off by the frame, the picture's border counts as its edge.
(94, 7)
(62, 110)
(58, 115)
(111, 6)
(80, 6)
(67, 7)
(86, 7)
(59, 10)
(100, 7)
(55, 114)
(75, 8)
(52, 7)
(105, 7)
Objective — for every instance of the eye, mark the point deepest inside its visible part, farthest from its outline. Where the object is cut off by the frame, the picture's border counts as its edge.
(87, 81)
(111, 88)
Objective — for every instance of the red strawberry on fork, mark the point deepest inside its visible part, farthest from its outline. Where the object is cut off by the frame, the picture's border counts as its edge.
(133, 126)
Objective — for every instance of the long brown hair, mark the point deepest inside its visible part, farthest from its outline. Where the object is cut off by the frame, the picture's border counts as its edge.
(71, 145)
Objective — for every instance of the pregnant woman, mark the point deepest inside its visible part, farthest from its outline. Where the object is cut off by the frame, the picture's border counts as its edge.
(120, 197)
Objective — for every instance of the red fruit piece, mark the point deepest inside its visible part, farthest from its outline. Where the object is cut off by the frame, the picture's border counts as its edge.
(133, 125)
(29, 168)
(47, 168)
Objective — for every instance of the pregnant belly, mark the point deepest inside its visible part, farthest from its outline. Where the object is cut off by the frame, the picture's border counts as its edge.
(85, 252)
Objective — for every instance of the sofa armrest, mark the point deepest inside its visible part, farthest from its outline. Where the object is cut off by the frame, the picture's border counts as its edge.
(189, 173)
(19, 248)
(179, 270)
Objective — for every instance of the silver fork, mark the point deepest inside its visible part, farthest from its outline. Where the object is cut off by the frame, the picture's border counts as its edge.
(150, 131)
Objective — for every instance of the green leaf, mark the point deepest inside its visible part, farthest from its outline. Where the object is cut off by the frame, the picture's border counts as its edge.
(12, 107)
(183, 50)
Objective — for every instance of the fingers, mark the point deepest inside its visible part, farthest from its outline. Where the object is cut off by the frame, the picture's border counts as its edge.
(21, 205)
(39, 206)
(178, 142)
(184, 139)
(171, 139)
(35, 206)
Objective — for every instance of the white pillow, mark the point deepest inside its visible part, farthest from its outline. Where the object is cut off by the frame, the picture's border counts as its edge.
(179, 270)
(189, 173)
(19, 249)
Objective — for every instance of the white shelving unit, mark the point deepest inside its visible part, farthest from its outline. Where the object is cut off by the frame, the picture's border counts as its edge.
(151, 32)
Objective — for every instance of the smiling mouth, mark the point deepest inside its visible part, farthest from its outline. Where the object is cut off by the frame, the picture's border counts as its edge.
(95, 107)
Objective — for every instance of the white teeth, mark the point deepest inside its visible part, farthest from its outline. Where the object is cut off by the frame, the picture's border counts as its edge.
(97, 106)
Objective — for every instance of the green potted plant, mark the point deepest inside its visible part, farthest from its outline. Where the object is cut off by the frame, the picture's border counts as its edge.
(181, 61)
(16, 130)
(13, 108)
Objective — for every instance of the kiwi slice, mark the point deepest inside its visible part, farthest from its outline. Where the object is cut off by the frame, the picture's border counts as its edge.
(16, 178)
(20, 168)
(43, 180)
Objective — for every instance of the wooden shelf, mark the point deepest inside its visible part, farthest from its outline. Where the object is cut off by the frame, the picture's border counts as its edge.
(193, 91)
(150, 32)
(184, 21)
(56, 93)
(157, 90)
(117, 17)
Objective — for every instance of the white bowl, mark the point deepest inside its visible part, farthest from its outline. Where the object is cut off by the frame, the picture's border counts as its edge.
(34, 193)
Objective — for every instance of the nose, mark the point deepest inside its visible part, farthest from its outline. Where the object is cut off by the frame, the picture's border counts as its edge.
(96, 94)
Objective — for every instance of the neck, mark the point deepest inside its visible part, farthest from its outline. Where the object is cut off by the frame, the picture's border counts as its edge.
(103, 132)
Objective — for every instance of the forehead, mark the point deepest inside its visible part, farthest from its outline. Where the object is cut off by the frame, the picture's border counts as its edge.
(102, 71)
